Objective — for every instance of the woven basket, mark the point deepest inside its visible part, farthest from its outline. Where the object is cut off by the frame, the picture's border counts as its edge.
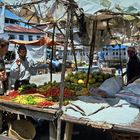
(21, 130)
(125, 136)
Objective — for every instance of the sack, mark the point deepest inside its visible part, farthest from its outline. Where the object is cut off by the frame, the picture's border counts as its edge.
(21, 130)
(131, 93)
(112, 86)
(131, 98)
(133, 88)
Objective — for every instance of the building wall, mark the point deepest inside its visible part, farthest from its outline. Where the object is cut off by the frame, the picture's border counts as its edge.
(26, 35)
(110, 54)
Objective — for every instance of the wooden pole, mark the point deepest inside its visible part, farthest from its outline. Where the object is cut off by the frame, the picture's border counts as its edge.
(63, 72)
(92, 47)
(52, 54)
(71, 37)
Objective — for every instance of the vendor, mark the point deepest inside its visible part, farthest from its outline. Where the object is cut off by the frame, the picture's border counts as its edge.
(21, 68)
(3, 76)
(133, 65)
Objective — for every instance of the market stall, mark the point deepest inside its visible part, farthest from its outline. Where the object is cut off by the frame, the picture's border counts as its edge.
(71, 7)
(131, 131)
(49, 114)
(109, 108)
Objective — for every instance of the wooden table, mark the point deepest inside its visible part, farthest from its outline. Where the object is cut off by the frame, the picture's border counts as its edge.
(133, 128)
(32, 111)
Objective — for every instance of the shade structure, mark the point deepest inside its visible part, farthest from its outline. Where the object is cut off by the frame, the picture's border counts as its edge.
(42, 41)
(39, 11)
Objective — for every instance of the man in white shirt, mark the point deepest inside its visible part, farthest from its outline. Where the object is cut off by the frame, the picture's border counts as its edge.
(21, 68)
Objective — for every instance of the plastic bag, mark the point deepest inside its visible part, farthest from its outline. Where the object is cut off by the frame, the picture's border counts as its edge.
(131, 93)
(133, 88)
(112, 86)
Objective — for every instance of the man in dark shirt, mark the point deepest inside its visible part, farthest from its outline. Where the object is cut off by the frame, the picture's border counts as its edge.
(3, 78)
(133, 65)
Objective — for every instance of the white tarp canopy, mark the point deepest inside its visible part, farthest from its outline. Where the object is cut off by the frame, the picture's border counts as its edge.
(45, 10)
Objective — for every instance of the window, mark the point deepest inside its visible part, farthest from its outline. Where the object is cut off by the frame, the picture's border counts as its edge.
(21, 37)
(12, 21)
(6, 20)
(38, 37)
(11, 36)
(30, 37)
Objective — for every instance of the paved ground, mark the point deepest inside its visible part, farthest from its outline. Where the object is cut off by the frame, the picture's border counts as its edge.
(40, 79)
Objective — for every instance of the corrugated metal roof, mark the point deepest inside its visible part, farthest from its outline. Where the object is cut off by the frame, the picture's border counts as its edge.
(16, 28)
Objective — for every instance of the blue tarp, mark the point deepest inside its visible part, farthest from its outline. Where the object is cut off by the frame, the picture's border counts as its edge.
(9, 14)
(115, 47)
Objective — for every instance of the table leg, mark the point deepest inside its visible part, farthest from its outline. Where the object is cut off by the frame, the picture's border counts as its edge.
(68, 131)
(1, 112)
(52, 131)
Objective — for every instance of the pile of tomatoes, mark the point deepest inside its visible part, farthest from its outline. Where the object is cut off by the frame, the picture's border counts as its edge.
(55, 92)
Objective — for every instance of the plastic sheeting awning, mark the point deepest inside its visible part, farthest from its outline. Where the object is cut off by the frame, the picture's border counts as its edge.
(42, 41)
(43, 11)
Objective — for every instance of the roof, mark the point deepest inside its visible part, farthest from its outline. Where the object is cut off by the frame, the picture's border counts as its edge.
(9, 14)
(116, 47)
(19, 29)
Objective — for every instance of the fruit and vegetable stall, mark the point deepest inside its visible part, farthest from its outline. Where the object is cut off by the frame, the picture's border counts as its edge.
(43, 102)
(48, 94)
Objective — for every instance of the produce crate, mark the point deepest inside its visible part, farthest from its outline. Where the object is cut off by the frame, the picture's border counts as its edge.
(125, 136)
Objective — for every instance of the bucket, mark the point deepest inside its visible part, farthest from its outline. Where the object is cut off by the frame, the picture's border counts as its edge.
(21, 130)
